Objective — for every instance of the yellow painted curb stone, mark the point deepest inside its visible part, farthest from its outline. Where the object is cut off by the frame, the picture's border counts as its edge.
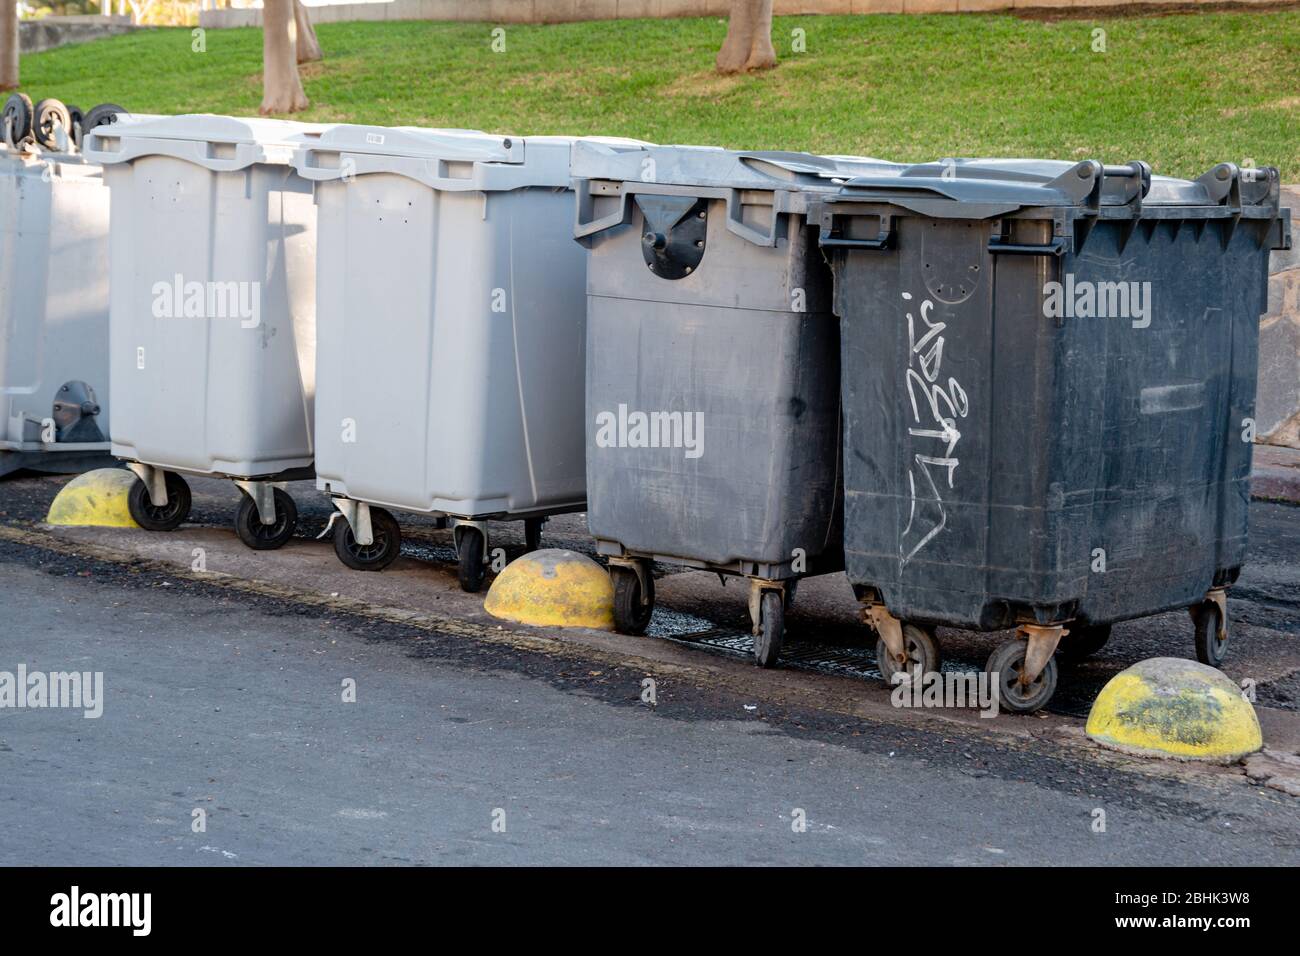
(553, 588)
(95, 499)
(1170, 707)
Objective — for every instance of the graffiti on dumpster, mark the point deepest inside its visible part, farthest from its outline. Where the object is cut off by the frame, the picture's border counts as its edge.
(935, 410)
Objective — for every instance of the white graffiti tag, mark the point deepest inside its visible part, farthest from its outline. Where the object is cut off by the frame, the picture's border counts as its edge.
(934, 418)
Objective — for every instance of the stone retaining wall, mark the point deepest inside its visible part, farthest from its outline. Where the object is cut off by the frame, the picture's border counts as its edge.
(49, 32)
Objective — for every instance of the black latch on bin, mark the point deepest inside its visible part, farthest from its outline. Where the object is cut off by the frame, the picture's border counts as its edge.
(75, 409)
(672, 240)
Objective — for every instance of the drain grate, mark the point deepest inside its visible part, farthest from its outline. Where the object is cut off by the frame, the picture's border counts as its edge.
(845, 660)
(803, 655)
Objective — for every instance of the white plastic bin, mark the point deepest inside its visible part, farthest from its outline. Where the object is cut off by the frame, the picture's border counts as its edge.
(451, 332)
(212, 311)
(53, 313)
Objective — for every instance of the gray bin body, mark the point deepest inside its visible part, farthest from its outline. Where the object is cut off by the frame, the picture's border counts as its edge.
(213, 295)
(745, 341)
(54, 330)
(451, 322)
(1008, 461)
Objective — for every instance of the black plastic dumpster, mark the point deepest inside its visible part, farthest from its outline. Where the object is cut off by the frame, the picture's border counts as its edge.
(1048, 385)
(713, 394)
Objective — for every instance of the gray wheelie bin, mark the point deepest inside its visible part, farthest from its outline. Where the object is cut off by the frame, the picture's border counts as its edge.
(1048, 400)
(450, 343)
(212, 314)
(53, 312)
(713, 425)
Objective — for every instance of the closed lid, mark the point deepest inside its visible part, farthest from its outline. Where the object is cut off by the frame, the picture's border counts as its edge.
(711, 166)
(1042, 182)
(467, 145)
(489, 161)
(450, 145)
(219, 143)
(208, 127)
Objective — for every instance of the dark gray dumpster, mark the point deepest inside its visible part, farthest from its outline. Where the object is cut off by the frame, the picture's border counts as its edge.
(1048, 396)
(712, 371)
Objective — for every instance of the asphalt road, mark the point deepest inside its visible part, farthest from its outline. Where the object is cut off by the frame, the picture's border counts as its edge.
(231, 704)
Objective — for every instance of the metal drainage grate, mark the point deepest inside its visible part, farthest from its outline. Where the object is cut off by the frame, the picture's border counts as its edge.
(804, 655)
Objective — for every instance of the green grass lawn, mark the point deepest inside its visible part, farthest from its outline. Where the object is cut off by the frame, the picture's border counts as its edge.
(1182, 92)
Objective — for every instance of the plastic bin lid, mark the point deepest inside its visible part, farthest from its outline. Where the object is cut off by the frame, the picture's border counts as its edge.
(711, 166)
(499, 161)
(210, 127)
(235, 141)
(457, 145)
(982, 187)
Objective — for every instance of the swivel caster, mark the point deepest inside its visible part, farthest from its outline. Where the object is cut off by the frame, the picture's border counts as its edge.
(384, 547)
(1024, 668)
(471, 546)
(164, 517)
(632, 608)
(1210, 620)
(259, 535)
(769, 629)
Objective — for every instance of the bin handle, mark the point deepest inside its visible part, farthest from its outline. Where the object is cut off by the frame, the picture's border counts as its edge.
(583, 226)
(882, 240)
(736, 221)
(191, 151)
(1057, 247)
(352, 164)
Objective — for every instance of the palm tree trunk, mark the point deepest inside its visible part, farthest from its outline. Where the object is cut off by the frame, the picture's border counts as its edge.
(308, 45)
(281, 87)
(749, 38)
(8, 44)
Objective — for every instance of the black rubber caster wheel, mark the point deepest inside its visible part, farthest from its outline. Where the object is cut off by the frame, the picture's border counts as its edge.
(470, 547)
(791, 586)
(533, 533)
(1206, 617)
(631, 613)
(266, 537)
(1083, 642)
(50, 116)
(168, 517)
(922, 654)
(380, 553)
(101, 115)
(771, 629)
(1004, 667)
(18, 114)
